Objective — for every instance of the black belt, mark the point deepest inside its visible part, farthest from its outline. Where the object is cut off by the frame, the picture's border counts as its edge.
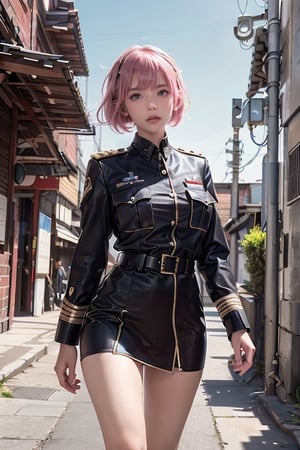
(165, 264)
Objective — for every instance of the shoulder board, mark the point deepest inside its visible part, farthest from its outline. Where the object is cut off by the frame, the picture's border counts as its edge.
(191, 152)
(109, 153)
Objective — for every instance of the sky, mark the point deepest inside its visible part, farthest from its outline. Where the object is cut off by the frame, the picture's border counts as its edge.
(199, 36)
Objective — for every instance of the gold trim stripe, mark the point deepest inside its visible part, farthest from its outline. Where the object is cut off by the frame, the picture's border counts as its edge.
(227, 304)
(72, 313)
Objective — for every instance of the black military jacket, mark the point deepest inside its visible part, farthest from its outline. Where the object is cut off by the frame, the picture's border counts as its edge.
(155, 201)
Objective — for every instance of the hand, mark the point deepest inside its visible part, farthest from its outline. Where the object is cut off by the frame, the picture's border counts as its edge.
(244, 351)
(65, 368)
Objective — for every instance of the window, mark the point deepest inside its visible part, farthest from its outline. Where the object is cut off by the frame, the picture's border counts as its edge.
(294, 174)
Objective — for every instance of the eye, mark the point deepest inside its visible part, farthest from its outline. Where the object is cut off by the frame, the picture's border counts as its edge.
(163, 93)
(135, 96)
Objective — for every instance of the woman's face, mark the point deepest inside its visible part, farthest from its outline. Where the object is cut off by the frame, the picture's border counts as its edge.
(149, 109)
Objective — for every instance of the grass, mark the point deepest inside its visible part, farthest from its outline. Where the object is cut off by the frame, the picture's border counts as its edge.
(4, 390)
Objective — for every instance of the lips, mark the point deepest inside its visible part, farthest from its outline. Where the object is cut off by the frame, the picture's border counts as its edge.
(153, 119)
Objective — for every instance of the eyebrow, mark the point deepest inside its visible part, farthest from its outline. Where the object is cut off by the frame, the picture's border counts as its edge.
(158, 86)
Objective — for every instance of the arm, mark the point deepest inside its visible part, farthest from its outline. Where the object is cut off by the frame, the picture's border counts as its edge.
(89, 262)
(215, 268)
(90, 257)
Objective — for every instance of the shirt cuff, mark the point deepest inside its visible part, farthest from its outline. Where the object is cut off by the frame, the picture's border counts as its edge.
(67, 333)
(235, 321)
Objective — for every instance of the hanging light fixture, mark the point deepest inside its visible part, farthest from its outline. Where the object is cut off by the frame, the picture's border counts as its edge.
(245, 29)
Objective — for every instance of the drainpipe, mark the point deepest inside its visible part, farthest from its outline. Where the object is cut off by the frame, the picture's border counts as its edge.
(234, 201)
(272, 238)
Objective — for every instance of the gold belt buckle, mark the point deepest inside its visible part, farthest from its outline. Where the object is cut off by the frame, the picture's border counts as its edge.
(163, 263)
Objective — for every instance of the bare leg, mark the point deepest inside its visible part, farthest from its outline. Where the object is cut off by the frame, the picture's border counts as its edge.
(115, 386)
(168, 399)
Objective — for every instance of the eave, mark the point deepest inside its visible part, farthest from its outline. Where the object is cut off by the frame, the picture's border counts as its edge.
(258, 70)
(42, 87)
(63, 24)
(47, 82)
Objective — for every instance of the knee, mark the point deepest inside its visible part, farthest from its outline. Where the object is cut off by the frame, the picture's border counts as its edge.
(126, 441)
(168, 444)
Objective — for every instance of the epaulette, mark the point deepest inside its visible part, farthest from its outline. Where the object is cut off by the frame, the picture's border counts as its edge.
(108, 153)
(191, 152)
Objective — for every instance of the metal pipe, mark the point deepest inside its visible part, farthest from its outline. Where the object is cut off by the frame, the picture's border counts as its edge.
(234, 202)
(272, 239)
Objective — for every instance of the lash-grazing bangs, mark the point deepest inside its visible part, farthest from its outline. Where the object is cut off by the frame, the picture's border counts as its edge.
(148, 63)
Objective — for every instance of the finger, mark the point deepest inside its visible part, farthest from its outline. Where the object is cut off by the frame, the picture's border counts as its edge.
(72, 385)
(238, 356)
(71, 376)
(243, 364)
(243, 368)
(73, 382)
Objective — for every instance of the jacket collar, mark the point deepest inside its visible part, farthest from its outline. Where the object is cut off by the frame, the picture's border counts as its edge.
(147, 149)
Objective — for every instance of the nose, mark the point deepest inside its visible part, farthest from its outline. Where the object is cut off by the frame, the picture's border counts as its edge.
(152, 106)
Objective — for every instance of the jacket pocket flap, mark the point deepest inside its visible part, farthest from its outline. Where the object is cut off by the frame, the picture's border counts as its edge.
(201, 196)
(130, 196)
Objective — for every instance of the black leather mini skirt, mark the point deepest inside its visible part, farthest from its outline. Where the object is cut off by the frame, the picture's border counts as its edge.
(152, 317)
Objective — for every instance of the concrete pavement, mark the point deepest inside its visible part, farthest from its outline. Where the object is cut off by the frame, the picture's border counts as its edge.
(227, 412)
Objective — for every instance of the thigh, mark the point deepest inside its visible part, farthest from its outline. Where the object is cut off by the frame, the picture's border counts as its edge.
(115, 386)
(168, 398)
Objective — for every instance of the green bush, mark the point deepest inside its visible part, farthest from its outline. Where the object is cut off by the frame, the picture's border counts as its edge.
(254, 246)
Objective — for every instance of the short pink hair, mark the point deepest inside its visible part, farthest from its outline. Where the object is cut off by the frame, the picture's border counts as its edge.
(147, 62)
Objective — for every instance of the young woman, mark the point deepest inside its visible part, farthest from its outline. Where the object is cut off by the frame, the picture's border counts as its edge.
(141, 326)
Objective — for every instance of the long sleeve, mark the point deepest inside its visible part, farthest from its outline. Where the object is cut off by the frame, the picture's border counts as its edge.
(90, 257)
(215, 268)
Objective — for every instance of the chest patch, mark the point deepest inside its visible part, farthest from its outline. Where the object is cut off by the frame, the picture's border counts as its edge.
(193, 182)
(129, 180)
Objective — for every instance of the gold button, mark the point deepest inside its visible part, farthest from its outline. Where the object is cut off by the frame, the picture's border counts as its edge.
(164, 172)
(132, 199)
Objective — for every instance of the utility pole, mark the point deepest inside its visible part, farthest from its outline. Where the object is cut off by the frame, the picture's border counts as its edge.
(272, 251)
(244, 31)
(234, 201)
